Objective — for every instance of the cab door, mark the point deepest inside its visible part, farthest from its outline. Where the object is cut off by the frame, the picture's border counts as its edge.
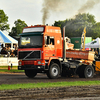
(49, 47)
(58, 46)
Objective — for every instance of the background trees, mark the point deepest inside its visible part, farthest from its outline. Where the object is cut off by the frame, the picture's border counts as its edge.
(19, 25)
(75, 26)
(95, 30)
(3, 21)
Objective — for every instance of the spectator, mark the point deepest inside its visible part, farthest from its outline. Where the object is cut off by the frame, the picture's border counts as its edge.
(3, 51)
(15, 51)
(6, 46)
(12, 53)
(9, 51)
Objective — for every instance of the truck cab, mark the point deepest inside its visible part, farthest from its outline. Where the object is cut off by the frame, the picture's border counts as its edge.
(40, 47)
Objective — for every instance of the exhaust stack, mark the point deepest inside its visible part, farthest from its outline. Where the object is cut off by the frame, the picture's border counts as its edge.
(64, 49)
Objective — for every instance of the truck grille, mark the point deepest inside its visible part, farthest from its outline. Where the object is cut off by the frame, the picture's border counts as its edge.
(27, 55)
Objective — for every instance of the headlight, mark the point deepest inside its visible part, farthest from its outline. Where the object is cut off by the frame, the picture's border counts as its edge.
(20, 63)
(39, 62)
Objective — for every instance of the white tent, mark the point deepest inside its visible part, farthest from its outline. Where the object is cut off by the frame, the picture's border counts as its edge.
(93, 44)
(5, 38)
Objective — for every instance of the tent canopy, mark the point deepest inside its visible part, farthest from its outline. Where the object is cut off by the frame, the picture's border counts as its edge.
(93, 44)
(5, 38)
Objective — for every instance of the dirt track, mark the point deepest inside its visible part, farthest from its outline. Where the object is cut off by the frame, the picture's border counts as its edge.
(70, 93)
(11, 78)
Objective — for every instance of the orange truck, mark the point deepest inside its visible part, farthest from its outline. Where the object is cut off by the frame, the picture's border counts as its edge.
(41, 49)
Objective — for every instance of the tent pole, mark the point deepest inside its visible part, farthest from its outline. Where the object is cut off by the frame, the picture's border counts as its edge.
(3, 44)
(11, 45)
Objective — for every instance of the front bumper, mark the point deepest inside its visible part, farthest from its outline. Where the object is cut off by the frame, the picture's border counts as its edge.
(29, 67)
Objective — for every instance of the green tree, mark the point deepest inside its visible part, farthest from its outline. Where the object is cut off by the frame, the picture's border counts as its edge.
(58, 23)
(3, 21)
(61, 24)
(75, 26)
(19, 25)
(95, 30)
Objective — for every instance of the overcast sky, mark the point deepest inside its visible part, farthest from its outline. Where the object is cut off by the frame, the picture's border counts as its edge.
(30, 10)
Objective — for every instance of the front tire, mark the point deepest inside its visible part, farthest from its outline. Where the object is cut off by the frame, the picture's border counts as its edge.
(53, 71)
(30, 73)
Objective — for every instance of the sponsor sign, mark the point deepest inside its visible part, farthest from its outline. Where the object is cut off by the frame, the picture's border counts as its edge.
(8, 61)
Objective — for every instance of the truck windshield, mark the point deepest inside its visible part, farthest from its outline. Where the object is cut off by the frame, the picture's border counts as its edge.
(31, 41)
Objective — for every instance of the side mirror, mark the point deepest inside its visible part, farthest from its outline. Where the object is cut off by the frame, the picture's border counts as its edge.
(45, 41)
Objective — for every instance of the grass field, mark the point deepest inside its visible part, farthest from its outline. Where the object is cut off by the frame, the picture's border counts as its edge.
(6, 67)
(14, 69)
(11, 70)
(47, 85)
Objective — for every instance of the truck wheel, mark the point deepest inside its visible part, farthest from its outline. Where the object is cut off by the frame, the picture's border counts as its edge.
(53, 71)
(30, 73)
(86, 71)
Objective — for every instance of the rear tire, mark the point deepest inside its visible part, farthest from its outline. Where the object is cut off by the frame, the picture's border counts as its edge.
(30, 73)
(53, 71)
(86, 71)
